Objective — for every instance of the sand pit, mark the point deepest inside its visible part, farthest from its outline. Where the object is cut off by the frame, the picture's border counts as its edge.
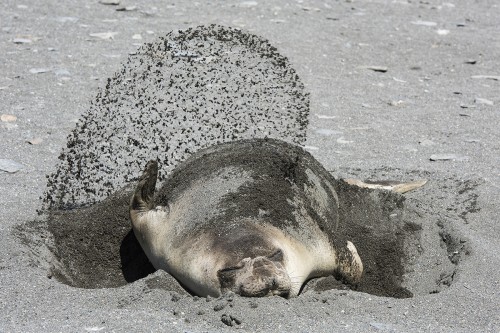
(406, 251)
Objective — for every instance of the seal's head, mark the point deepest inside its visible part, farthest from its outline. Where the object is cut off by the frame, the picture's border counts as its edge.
(257, 277)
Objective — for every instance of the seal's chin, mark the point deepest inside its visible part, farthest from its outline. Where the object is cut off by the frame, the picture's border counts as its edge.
(257, 277)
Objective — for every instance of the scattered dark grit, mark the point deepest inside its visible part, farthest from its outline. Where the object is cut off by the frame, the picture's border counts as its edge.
(188, 90)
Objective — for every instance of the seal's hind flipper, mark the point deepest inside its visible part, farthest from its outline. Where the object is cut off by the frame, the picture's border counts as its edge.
(144, 192)
(391, 185)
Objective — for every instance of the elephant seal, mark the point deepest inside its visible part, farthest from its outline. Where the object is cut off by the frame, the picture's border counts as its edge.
(257, 217)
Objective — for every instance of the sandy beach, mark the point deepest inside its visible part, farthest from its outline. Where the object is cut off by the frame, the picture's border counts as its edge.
(374, 90)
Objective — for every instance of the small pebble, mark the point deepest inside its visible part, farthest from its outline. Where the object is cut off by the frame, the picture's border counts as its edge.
(219, 306)
(381, 69)
(424, 23)
(104, 35)
(322, 116)
(396, 103)
(447, 157)
(472, 140)
(226, 320)
(35, 141)
(443, 32)
(488, 77)
(110, 2)
(467, 106)
(10, 166)
(426, 142)
(230, 320)
(248, 4)
(341, 140)
(126, 9)
(62, 72)
(484, 101)
(8, 118)
(22, 41)
(39, 70)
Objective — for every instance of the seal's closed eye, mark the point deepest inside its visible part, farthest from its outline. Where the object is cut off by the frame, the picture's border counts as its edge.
(276, 256)
(229, 269)
(227, 276)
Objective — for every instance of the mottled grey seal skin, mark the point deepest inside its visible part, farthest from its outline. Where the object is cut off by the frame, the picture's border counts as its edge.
(257, 217)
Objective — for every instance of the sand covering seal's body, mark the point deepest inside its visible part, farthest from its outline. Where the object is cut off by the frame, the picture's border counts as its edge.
(257, 217)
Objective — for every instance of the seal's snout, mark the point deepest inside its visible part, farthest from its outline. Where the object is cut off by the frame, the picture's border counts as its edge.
(257, 277)
(271, 277)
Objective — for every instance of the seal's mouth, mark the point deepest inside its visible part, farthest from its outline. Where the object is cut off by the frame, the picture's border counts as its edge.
(282, 293)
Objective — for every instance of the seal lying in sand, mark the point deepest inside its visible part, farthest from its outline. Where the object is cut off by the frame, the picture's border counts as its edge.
(257, 217)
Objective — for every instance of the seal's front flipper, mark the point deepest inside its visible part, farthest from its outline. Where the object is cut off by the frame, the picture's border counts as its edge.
(391, 185)
(144, 192)
(350, 268)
